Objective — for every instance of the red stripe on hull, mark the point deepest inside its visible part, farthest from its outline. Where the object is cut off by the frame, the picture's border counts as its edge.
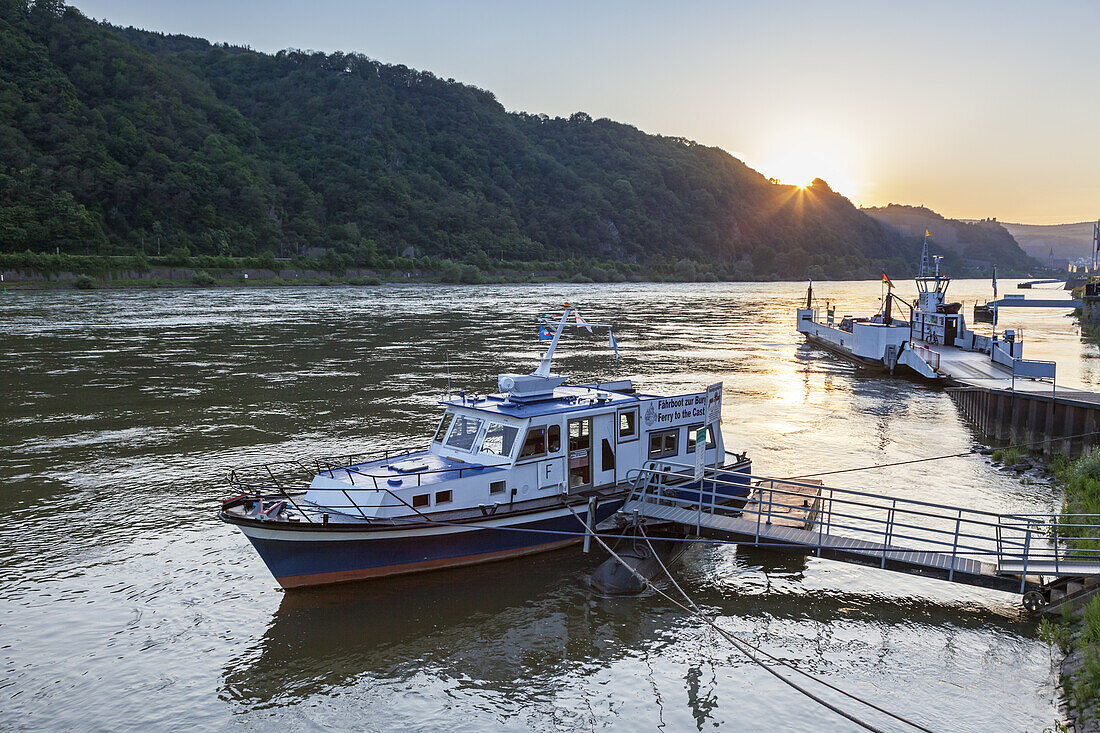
(344, 576)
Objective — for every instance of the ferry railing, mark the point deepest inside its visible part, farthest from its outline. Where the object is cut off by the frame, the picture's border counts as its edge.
(1066, 543)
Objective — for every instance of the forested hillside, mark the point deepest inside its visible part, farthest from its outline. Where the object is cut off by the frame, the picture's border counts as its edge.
(111, 138)
(979, 243)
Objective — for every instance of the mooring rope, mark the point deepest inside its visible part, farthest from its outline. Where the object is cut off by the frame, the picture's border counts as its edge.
(737, 642)
(970, 452)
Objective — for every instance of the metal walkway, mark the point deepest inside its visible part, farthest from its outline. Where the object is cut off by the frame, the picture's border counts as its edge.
(1024, 554)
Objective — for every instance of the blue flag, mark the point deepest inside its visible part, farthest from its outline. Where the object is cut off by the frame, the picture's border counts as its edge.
(545, 334)
(612, 344)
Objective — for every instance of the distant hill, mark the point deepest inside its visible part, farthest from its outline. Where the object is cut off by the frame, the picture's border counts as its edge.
(979, 244)
(1064, 241)
(110, 138)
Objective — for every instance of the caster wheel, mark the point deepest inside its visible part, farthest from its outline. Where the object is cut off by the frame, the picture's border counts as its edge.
(1033, 601)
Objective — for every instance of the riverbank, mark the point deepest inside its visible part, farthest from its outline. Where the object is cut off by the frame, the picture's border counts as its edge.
(179, 268)
(1077, 634)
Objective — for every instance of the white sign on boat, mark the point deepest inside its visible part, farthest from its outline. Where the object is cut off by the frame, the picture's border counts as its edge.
(714, 403)
(673, 411)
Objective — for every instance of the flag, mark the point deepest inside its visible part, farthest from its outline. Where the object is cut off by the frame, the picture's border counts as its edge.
(612, 344)
(887, 280)
(927, 233)
(581, 322)
(545, 334)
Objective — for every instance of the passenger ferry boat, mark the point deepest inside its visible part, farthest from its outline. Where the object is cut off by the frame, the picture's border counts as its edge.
(885, 341)
(521, 471)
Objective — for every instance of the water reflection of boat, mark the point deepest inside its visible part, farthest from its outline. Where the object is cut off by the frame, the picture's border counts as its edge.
(490, 621)
(502, 626)
(505, 475)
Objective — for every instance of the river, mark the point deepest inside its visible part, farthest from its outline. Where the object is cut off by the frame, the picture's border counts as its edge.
(126, 604)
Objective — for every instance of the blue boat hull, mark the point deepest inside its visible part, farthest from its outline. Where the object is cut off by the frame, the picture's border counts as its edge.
(300, 558)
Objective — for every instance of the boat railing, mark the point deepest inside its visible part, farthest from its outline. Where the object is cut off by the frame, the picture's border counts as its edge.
(1062, 544)
(299, 473)
(317, 513)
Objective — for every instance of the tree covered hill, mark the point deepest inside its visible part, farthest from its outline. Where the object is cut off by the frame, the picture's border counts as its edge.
(985, 242)
(110, 137)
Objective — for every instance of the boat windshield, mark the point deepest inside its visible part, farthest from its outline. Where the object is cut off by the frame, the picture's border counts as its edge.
(499, 440)
(444, 425)
(464, 431)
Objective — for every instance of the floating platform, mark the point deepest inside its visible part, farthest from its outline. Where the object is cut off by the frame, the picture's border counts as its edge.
(786, 504)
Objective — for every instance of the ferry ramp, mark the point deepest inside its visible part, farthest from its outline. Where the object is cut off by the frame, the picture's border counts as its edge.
(1031, 555)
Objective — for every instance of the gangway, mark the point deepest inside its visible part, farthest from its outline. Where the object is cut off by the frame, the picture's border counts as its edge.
(1027, 554)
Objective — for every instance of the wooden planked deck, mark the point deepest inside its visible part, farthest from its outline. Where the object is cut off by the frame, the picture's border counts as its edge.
(790, 505)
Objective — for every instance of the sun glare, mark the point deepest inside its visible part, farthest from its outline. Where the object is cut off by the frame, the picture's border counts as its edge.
(798, 158)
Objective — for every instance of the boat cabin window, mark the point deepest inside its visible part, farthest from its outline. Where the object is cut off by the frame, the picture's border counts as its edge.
(579, 431)
(535, 442)
(443, 497)
(663, 443)
(421, 500)
(628, 425)
(444, 425)
(553, 439)
(464, 432)
(691, 437)
(499, 440)
(496, 487)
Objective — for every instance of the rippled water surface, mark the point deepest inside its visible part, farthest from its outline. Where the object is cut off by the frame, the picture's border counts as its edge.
(127, 604)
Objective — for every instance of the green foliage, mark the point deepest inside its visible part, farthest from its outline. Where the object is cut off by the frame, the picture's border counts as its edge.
(1055, 633)
(202, 278)
(118, 141)
(83, 282)
(973, 247)
(1008, 456)
(115, 139)
(1081, 483)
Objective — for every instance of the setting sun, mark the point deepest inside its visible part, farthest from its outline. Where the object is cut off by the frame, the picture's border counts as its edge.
(798, 157)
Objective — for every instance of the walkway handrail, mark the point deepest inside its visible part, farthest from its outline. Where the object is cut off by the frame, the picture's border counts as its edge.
(895, 523)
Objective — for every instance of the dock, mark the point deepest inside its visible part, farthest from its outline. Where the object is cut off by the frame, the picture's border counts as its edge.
(795, 505)
(1044, 558)
(1018, 401)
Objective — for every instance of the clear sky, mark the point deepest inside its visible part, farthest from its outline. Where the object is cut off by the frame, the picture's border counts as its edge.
(973, 109)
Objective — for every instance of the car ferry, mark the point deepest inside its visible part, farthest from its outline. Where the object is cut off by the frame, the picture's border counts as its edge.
(528, 469)
(884, 341)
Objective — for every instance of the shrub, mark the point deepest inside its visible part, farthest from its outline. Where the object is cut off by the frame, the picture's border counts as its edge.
(202, 278)
(83, 282)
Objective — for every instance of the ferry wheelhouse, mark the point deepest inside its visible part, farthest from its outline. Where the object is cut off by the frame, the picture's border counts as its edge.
(521, 471)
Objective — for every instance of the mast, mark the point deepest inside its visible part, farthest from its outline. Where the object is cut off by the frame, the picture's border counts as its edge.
(925, 264)
(810, 294)
(544, 363)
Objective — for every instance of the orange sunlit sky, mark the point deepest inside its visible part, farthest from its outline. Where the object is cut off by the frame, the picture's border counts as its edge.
(974, 109)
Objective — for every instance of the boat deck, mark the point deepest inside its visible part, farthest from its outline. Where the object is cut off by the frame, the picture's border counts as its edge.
(973, 369)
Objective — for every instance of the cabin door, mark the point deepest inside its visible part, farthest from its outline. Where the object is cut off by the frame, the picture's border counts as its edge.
(580, 453)
(603, 433)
